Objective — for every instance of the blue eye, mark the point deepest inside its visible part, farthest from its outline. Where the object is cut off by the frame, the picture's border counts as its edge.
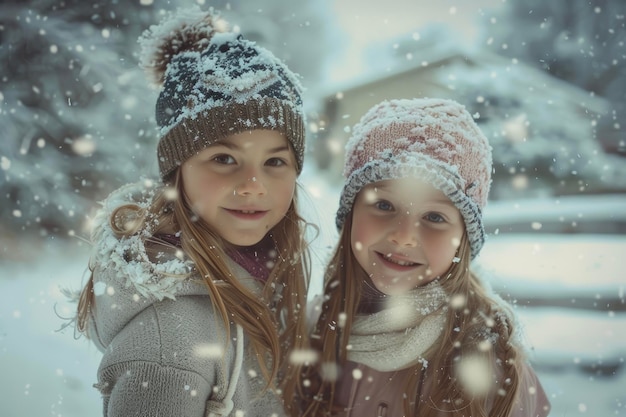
(434, 218)
(384, 205)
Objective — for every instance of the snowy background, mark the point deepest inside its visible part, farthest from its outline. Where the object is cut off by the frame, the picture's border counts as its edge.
(71, 97)
(578, 351)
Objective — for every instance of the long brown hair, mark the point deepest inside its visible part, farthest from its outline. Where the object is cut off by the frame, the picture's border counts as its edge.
(478, 320)
(273, 330)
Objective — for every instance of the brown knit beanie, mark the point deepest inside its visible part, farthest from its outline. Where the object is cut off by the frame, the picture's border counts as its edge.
(433, 140)
(215, 84)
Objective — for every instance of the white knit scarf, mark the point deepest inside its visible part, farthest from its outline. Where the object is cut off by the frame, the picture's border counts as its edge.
(396, 337)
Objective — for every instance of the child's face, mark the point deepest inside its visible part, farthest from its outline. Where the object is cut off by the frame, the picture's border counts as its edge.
(405, 233)
(243, 185)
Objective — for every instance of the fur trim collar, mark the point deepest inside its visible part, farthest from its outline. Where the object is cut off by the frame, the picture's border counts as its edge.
(128, 255)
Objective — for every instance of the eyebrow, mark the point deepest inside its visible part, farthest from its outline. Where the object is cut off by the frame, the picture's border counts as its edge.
(281, 148)
(389, 188)
(445, 201)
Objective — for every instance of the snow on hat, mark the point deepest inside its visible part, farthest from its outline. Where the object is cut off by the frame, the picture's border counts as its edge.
(434, 140)
(214, 83)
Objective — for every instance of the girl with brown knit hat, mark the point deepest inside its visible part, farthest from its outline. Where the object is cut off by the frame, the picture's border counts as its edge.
(199, 281)
(406, 329)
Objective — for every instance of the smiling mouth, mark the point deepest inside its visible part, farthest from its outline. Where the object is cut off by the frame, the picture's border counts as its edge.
(399, 262)
(247, 213)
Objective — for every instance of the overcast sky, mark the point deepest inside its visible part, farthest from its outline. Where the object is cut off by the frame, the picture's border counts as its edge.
(365, 22)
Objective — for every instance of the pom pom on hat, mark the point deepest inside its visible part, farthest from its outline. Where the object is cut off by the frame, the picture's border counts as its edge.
(187, 30)
(434, 140)
(214, 84)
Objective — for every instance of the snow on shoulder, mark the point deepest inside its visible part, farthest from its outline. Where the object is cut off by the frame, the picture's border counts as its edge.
(127, 254)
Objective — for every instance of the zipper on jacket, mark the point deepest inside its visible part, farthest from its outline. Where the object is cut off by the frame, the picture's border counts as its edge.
(382, 409)
(353, 391)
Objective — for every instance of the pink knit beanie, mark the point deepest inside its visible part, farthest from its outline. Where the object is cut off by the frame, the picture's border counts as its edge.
(434, 140)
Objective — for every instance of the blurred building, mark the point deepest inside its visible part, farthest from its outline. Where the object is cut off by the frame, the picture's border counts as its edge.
(543, 130)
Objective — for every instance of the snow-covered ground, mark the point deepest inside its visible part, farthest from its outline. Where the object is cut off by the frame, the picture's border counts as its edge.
(44, 372)
(579, 354)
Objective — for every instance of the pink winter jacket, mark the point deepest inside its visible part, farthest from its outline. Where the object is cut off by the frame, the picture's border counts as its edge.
(379, 394)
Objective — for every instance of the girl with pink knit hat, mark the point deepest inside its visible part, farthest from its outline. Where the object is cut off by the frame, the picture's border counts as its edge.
(406, 329)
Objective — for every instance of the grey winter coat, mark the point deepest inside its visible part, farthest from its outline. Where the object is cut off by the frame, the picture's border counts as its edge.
(164, 350)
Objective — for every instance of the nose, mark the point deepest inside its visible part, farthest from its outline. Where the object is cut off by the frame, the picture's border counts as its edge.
(405, 232)
(250, 184)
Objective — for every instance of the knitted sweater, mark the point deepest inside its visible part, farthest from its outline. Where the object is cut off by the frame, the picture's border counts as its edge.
(387, 347)
(164, 349)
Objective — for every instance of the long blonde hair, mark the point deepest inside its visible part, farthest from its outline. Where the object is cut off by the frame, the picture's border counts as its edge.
(481, 318)
(272, 330)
